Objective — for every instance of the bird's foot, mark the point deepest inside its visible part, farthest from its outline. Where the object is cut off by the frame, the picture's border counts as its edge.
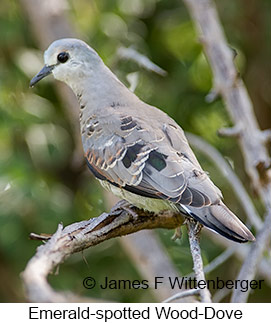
(177, 234)
(126, 206)
(198, 228)
(119, 206)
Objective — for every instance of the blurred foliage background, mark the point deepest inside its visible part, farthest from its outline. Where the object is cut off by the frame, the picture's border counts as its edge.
(39, 184)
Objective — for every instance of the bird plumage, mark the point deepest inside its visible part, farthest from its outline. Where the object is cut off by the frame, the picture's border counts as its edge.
(136, 150)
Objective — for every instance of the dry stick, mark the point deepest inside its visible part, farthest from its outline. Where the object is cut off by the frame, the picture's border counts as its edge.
(230, 86)
(228, 83)
(183, 294)
(221, 294)
(207, 269)
(142, 60)
(224, 256)
(251, 139)
(241, 252)
(79, 236)
(250, 265)
(193, 235)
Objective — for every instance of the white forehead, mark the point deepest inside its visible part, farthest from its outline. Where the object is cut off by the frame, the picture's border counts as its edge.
(75, 47)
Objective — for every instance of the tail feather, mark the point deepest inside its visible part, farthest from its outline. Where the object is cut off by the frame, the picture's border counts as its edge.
(220, 219)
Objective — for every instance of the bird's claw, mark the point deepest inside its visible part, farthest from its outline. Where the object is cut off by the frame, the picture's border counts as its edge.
(177, 234)
(126, 206)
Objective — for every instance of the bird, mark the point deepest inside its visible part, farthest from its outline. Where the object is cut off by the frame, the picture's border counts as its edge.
(136, 150)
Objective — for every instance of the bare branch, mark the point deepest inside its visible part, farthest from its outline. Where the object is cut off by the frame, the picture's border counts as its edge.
(131, 54)
(79, 236)
(183, 294)
(41, 237)
(193, 234)
(250, 265)
(224, 256)
(241, 252)
(221, 294)
(230, 132)
(231, 87)
(228, 83)
(266, 135)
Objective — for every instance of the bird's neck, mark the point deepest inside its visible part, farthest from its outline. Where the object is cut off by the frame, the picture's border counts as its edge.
(100, 88)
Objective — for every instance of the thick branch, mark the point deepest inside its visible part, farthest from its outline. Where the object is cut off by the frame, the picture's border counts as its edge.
(79, 236)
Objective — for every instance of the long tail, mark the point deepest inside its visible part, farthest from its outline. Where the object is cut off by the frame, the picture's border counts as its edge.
(220, 219)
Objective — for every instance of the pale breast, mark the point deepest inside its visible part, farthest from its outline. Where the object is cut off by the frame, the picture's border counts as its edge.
(145, 203)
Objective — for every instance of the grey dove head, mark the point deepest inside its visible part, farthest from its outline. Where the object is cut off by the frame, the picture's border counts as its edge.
(66, 59)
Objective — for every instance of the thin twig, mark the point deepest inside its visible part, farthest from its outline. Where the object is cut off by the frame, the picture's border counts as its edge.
(230, 132)
(42, 237)
(224, 256)
(215, 262)
(183, 294)
(221, 294)
(193, 235)
(131, 54)
(250, 265)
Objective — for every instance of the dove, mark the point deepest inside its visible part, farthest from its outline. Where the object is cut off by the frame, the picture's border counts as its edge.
(135, 150)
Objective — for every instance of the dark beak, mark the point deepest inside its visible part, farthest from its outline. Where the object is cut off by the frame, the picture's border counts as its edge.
(46, 70)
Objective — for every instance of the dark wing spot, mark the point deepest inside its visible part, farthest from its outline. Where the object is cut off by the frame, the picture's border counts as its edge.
(183, 155)
(125, 120)
(111, 160)
(128, 126)
(186, 197)
(172, 126)
(157, 160)
(198, 199)
(131, 155)
(196, 173)
(90, 130)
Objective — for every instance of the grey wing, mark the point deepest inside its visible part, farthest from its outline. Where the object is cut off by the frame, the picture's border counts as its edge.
(143, 158)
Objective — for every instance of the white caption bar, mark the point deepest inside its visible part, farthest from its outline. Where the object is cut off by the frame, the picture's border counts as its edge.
(120, 312)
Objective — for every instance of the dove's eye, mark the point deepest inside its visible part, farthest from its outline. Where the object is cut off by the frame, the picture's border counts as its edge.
(63, 57)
